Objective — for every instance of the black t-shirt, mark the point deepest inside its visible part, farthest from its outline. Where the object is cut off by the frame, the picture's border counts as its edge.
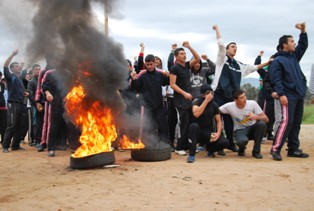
(183, 81)
(207, 119)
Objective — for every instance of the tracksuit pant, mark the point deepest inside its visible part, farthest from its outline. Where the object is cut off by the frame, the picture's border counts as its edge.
(288, 124)
(15, 125)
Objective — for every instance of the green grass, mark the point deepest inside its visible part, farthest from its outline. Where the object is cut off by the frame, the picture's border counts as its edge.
(308, 116)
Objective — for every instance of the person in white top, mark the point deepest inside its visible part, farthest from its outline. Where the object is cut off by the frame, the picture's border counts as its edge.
(249, 122)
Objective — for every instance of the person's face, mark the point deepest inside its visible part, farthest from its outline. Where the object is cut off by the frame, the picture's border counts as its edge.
(197, 66)
(130, 68)
(150, 65)
(241, 100)
(28, 77)
(17, 68)
(36, 71)
(290, 45)
(158, 63)
(232, 50)
(181, 56)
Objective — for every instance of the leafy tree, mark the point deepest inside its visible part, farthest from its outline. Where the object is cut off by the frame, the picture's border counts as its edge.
(251, 91)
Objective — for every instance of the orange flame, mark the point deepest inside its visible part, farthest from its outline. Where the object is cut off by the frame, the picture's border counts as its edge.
(97, 125)
(127, 144)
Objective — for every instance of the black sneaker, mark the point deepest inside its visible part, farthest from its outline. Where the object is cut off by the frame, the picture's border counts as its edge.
(241, 151)
(221, 152)
(270, 137)
(276, 156)
(297, 154)
(257, 155)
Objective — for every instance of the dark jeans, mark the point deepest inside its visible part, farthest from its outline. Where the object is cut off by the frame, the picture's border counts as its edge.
(14, 125)
(156, 121)
(3, 123)
(172, 118)
(255, 132)
(269, 109)
(185, 116)
(202, 135)
(38, 124)
(290, 125)
(227, 119)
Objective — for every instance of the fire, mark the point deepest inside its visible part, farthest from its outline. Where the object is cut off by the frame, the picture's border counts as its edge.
(96, 123)
(127, 144)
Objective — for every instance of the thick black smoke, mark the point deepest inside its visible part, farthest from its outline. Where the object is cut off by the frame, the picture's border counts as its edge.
(66, 29)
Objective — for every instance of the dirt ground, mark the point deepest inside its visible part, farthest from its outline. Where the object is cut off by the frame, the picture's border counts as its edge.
(33, 181)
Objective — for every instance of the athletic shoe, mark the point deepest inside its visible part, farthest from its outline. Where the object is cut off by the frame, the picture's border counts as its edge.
(191, 159)
(180, 152)
(198, 149)
(5, 150)
(51, 153)
(211, 154)
(257, 155)
(270, 136)
(241, 152)
(297, 154)
(221, 152)
(277, 156)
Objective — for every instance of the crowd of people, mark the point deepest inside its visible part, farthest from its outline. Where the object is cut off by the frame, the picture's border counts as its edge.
(195, 105)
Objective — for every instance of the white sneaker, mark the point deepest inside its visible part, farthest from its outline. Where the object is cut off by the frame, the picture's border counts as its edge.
(180, 152)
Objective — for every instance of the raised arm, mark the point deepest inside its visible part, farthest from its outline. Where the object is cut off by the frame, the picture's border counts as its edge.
(196, 57)
(171, 56)
(221, 57)
(9, 59)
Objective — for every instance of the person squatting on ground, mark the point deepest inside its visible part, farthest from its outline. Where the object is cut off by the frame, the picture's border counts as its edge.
(180, 83)
(206, 128)
(290, 84)
(148, 83)
(228, 75)
(249, 122)
(16, 104)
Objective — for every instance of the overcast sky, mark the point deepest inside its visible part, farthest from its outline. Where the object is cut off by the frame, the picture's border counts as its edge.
(253, 24)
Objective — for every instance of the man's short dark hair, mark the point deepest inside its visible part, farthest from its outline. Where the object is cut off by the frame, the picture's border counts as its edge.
(237, 93)
(12, 65)
(230, 44)
(34, 66)
(283, 40)
(176, 52)
(150, 58)
(128, 62)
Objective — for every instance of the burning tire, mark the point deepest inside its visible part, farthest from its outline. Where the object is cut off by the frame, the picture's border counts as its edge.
(156, 153)
(92, 161)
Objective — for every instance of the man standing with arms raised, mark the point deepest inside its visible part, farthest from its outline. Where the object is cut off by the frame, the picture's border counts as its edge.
(228, 75)
(290, 85)
(180, 83)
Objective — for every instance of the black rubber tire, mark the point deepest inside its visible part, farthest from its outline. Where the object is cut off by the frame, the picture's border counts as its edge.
(92, 161)
(151, 154)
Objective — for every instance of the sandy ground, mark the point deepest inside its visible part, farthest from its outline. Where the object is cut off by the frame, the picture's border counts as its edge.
(33, 181)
